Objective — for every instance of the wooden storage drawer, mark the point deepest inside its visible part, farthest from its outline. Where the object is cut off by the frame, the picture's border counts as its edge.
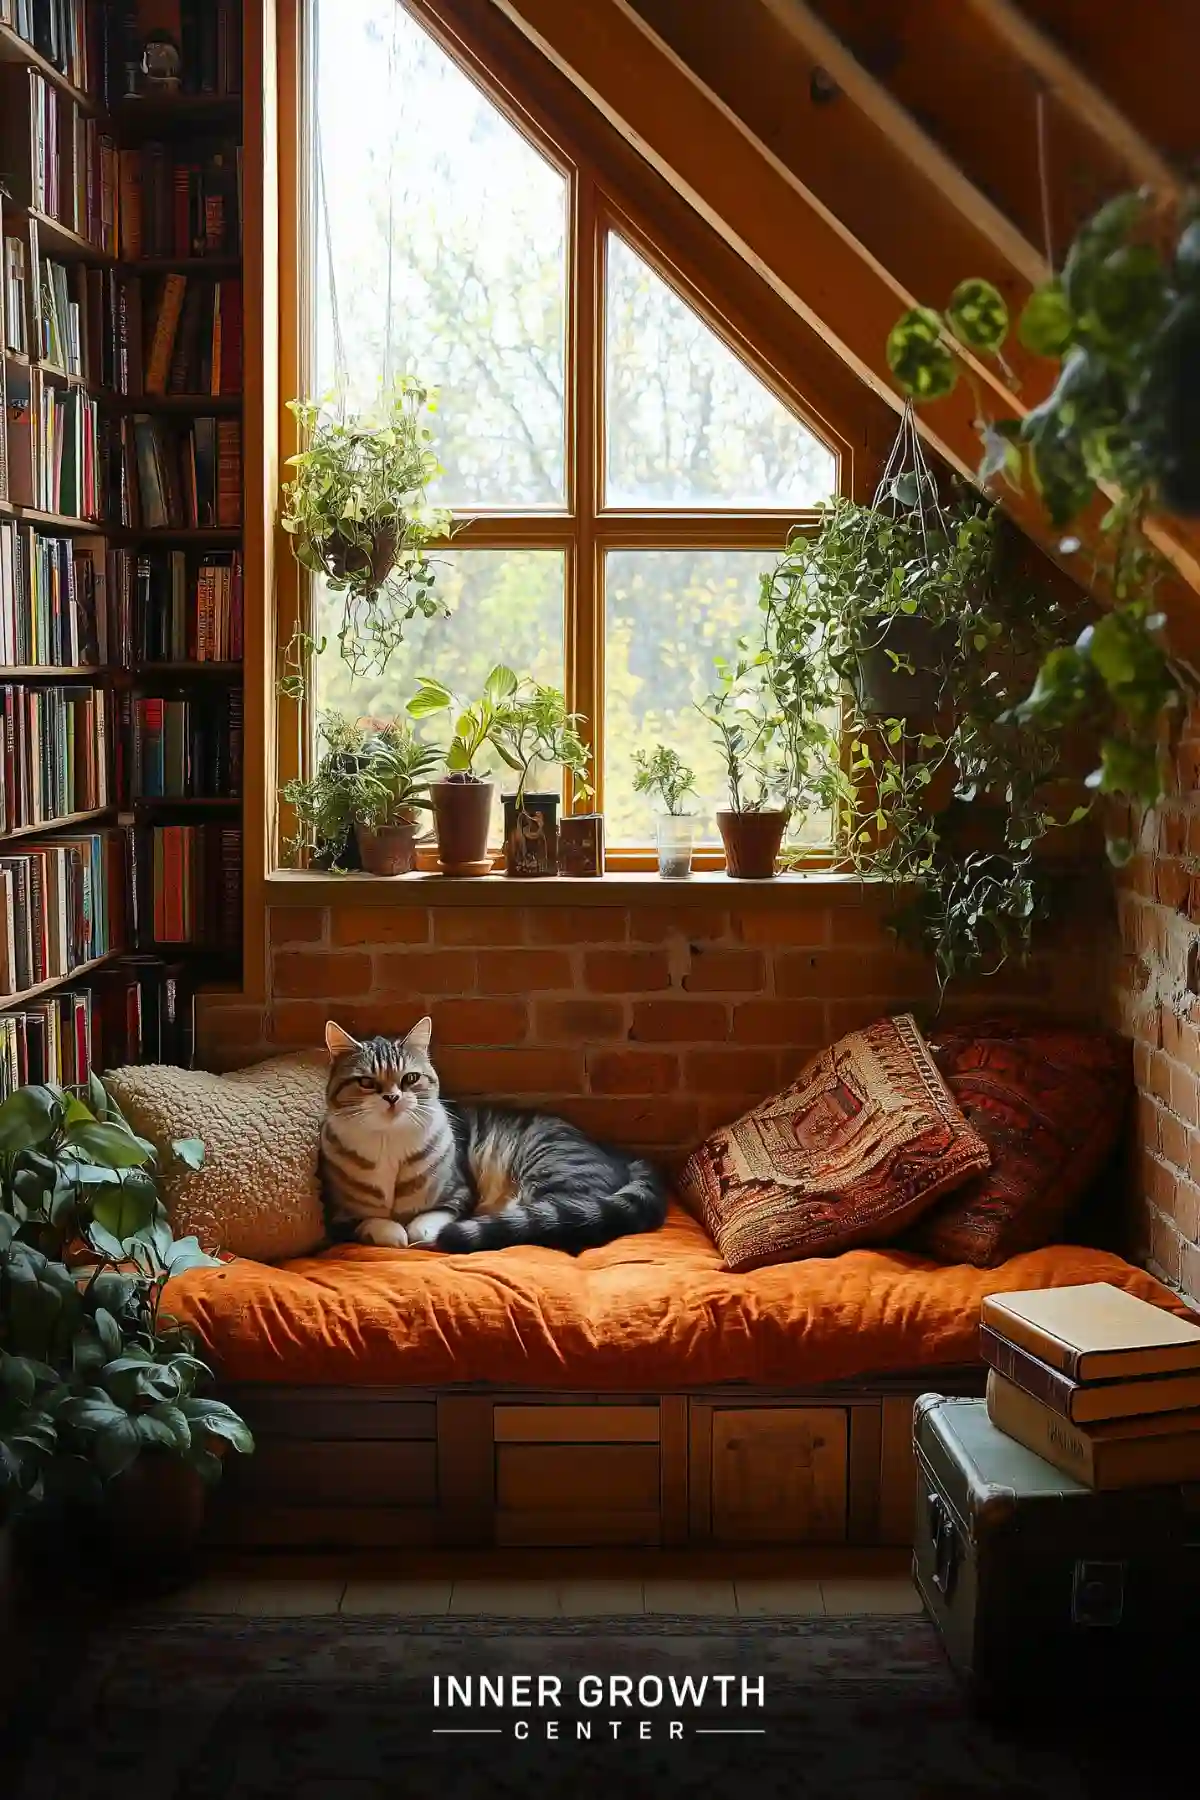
(577, 1475)
(342, 1473)
(778, 1474)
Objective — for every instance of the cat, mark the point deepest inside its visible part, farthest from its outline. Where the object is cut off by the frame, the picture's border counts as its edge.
(400, 1166)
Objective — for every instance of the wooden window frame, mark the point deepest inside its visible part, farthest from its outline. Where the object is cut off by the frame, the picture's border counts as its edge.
(586, 528)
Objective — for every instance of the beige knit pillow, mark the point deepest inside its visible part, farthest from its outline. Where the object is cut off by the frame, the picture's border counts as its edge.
(256, 1193)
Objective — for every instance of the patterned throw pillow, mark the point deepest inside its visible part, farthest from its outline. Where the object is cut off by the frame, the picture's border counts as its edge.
(1051, 1103)
(864, 1140)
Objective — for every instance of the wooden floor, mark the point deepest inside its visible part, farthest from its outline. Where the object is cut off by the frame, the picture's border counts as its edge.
(829, 1585)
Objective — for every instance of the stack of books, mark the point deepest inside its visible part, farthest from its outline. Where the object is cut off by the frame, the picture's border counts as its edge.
(1097, 1382)
(185, 748)
(174, 203)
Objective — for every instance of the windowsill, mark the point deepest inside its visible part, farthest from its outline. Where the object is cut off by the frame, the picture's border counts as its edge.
(315, 887)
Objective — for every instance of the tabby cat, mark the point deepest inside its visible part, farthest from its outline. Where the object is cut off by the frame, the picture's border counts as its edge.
(401, 1166)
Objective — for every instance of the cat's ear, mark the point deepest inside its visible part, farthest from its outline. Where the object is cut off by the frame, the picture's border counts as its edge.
(337, 1041)
(418, 1038)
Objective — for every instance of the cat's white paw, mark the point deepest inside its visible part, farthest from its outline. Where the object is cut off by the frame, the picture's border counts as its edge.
(389, 1234)
(423, 1230)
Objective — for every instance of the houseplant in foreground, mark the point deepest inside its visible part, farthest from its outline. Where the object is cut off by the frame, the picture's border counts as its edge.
(100, 1392)
(355, 512)
(665, 773)
(533, 729)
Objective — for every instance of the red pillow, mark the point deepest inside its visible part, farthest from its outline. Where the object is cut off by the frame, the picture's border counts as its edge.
(1050, 1101)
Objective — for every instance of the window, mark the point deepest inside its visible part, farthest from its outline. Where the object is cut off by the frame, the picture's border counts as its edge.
(621, 470)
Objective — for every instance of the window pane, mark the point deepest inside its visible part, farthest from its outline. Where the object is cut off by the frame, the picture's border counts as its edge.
(688, 424)
(441, 249)
(505, 606)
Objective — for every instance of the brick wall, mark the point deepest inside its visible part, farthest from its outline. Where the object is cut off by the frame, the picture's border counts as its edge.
(648, 1020)
(1155, 1000)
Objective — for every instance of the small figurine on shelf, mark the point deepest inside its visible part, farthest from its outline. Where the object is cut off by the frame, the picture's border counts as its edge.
(162, 64)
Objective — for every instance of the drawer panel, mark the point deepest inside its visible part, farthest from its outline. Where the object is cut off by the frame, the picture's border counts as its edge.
(576, 1424)
(342, 1473)
(594, 1478)
(779, 1474)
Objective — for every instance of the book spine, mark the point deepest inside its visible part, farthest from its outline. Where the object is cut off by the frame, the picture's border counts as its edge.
(165, 326)
(1016, 1365)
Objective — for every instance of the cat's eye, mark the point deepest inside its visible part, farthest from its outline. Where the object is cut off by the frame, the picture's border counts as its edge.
(410, 1079)
(366, 1081)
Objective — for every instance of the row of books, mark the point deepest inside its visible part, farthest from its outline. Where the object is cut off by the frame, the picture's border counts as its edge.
(184, 748)
(1099, 1383)
(188, 475)
(62, 904)
(186, 886)
(175, 606)
(57, 159)
(57, 30)
(179, 203)
(140, 1010)
(56, 758)
(53, 446)
(193, 341)
(51, 598)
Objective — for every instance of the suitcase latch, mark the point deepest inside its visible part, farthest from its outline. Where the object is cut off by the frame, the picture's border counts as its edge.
(1098, 1593)
(945, 1545)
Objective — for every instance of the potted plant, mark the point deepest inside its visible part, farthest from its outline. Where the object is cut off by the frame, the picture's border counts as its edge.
(101, 1401)
(665, 773)
(362, 806)
(532, 727)
(759, 783)
(462, 800)
(356, 515)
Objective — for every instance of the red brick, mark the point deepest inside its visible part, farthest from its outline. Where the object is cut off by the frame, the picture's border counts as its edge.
(321, 973)
(576, 925)
(632, 1071)
(1172, 1138)
(1183, 1092)
(861, 924)
(479, 1022)
(725, 972)
(296, 924)
(842, 974)
(808, 926)
(753, 1072)
(797, 1022)
(700, 923)
(495, 1074)
(1189, 1270)
(424, 972)
(579, 1021)
(483, 926)
(679, 1022)
(523, 971)
(380, 925)
(626, 971)
(300, 1024)
(666, 1123)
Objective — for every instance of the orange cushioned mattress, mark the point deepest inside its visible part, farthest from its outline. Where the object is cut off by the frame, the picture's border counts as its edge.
(653, 1313)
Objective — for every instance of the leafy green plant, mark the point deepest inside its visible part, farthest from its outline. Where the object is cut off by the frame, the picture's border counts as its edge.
(369, 772)
(475, 722)
(531, 725)
(92, 1373)
(1122, 322)
(356, 515)
(664, 773)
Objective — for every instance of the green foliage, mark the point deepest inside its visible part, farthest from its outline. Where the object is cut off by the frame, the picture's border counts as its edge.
(355, 512)
(369, 772)
(666, 774)
(1123, 323)
(475, 722)
(92, 1373)
(531, 726)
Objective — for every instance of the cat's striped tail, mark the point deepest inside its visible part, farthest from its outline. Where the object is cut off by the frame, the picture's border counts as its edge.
(570, 1222)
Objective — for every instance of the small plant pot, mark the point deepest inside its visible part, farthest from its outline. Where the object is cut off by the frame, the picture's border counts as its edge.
(462, 811)
(676, 834)
(751, 841)
(531, 836)
(888, 692)
(389, 849)
(581, 845)
(343, 558)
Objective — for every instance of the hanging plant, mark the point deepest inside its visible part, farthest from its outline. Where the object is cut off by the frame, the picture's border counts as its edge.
(1123, 324)
(356, 515)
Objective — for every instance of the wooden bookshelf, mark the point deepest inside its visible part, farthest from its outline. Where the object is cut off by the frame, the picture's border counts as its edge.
(38, 393)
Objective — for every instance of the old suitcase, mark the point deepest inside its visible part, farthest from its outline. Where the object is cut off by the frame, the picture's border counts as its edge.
(1036, 1583)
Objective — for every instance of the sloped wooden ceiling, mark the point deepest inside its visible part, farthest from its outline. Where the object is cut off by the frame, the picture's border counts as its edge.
(866, 155)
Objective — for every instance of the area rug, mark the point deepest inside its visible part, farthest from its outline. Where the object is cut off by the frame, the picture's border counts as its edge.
(344, 1708)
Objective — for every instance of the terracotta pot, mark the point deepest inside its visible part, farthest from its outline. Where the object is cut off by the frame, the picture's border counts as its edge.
(462, 811)
(531, 835)
(751, 841)
(153, 1517)
(390, 849)
(581, 845)
(343, 558)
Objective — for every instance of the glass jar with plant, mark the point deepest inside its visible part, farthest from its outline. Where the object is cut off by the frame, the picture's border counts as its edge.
(101, 1394)
(462, 799)
(362, 807)
(355, 512)
(1122, 323)
(532, 728)
(664, 773)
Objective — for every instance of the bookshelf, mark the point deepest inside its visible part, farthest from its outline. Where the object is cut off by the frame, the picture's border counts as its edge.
(121, 530)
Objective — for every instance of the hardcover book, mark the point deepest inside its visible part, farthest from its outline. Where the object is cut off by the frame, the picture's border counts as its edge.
(1121, 1453)
(1085, 1402)
(1095, 1332)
